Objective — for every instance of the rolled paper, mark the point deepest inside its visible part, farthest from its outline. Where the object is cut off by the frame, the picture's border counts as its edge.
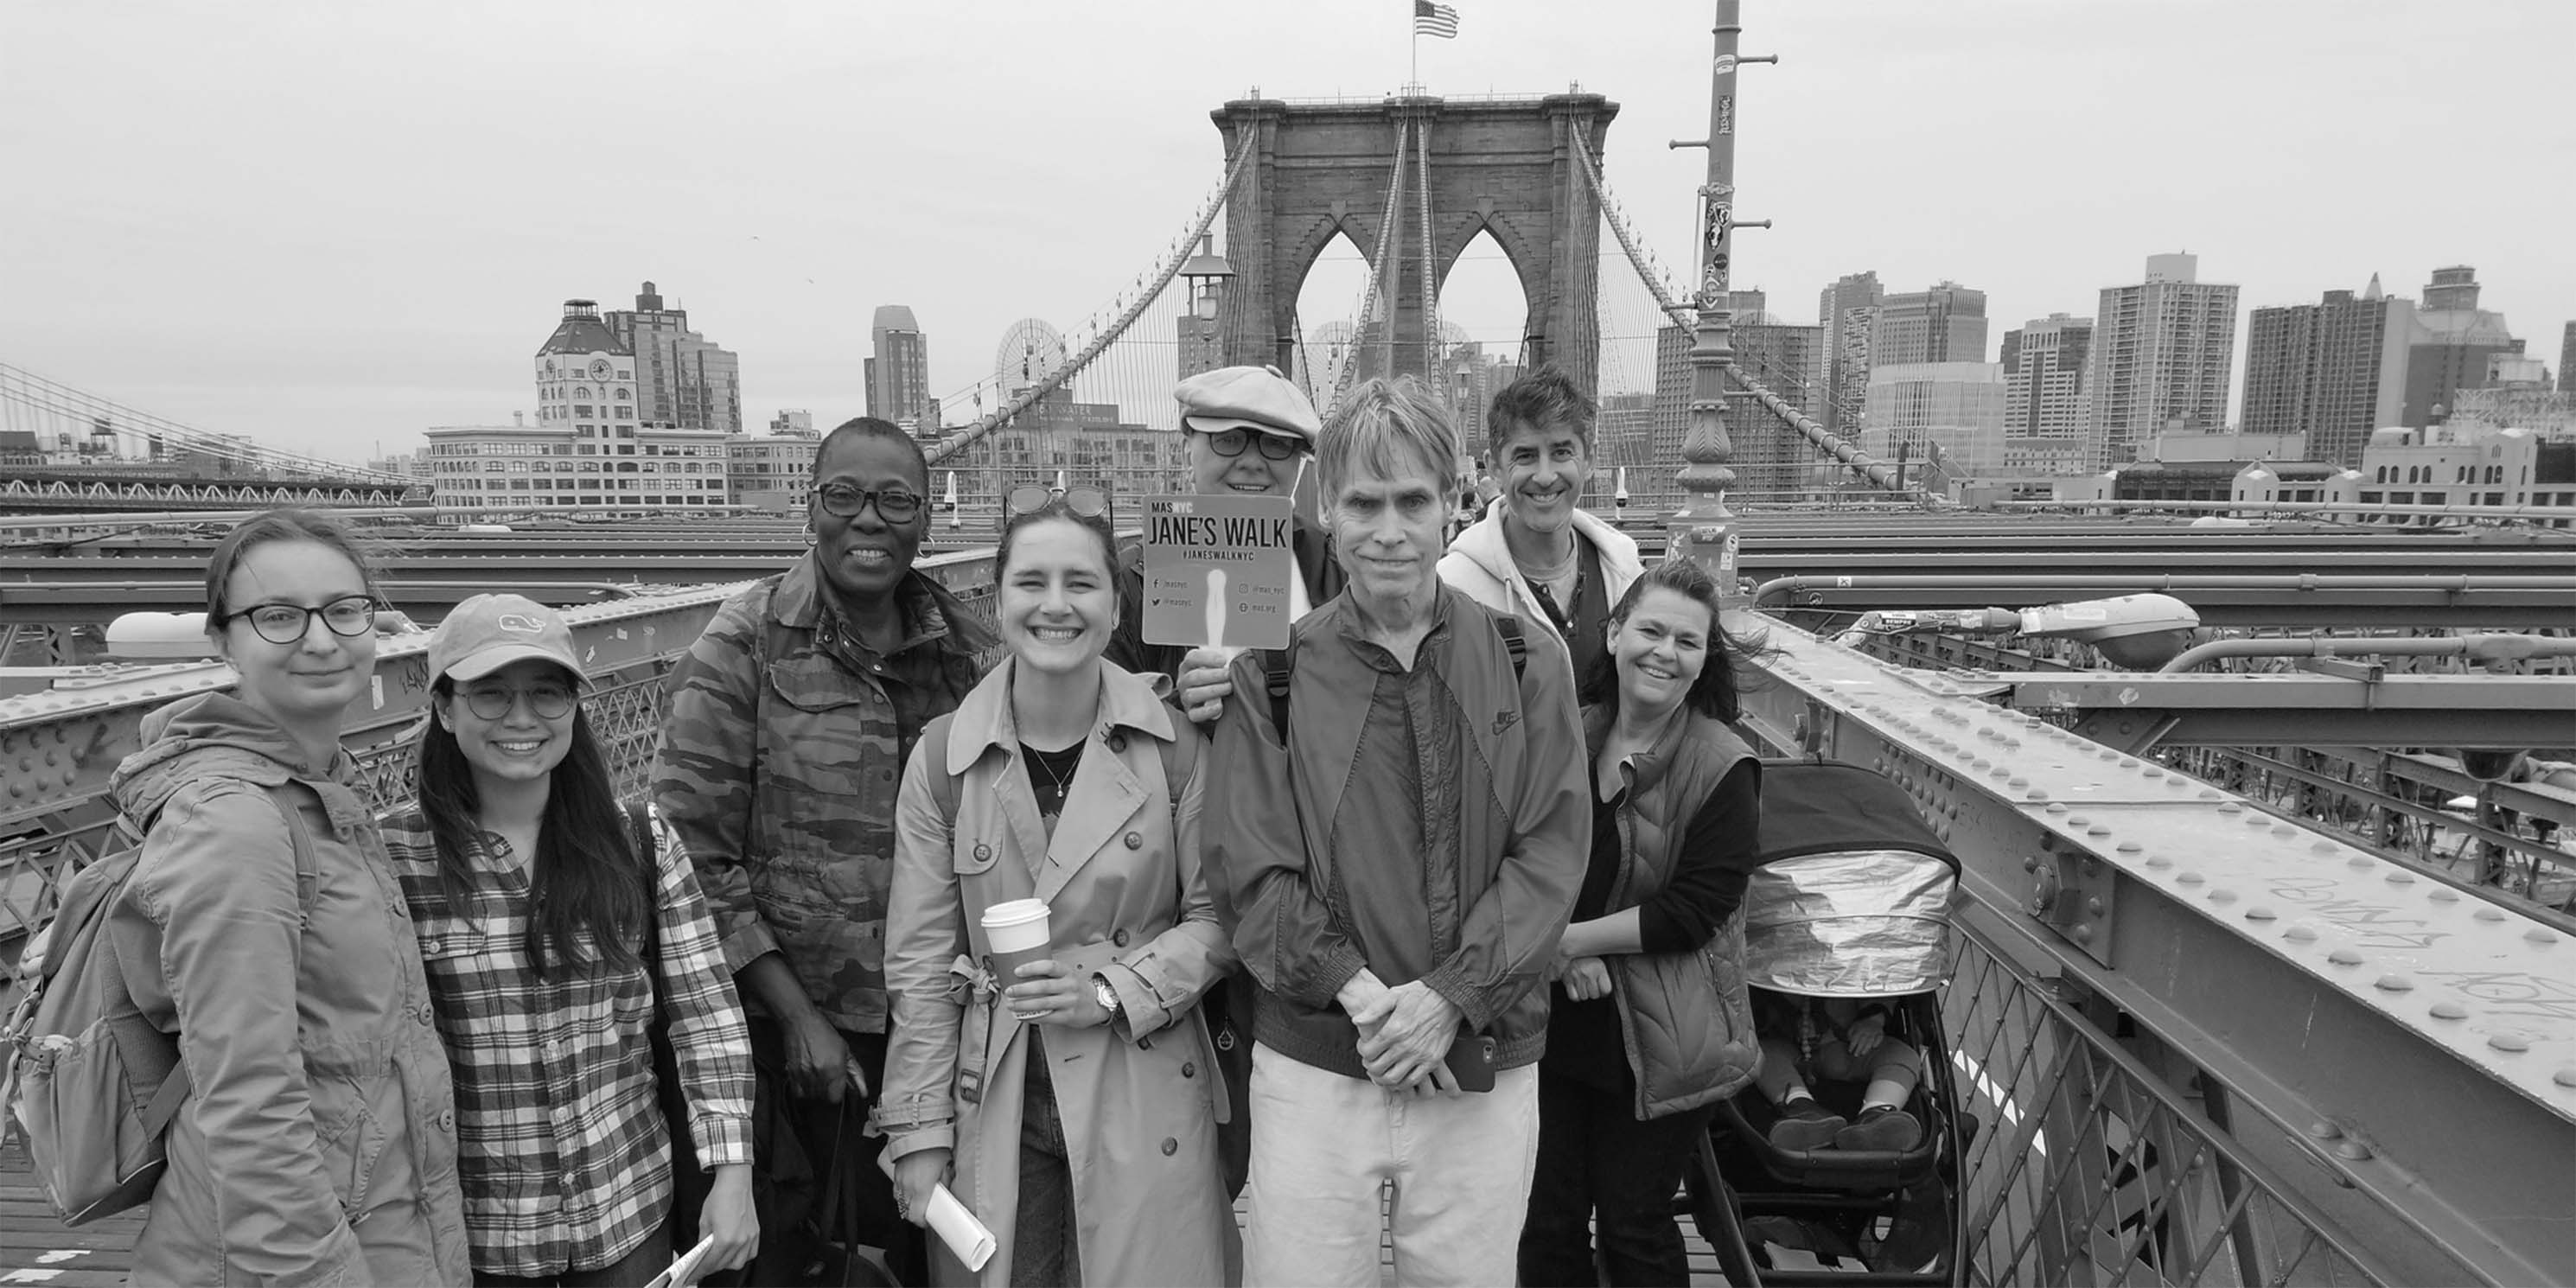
(958, 1228)
(1216, 580)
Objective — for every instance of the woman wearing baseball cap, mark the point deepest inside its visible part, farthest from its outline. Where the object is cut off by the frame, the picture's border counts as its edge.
(555, 921)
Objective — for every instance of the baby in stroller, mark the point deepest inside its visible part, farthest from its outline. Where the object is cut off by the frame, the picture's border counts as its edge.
(1839, 1039)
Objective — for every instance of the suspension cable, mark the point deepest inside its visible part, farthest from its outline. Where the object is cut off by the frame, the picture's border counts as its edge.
(1431, 337)
(1377, 268)
(1162, 277)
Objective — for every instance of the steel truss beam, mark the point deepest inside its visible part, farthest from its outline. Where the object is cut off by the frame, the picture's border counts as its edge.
(2402, 1050)
(2134, 712)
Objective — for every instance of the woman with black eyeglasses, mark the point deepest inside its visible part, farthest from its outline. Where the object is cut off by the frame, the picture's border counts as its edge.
(263, 926)
(555, 920)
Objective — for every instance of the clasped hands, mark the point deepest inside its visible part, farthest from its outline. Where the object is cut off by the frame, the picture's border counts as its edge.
(1405, 1034)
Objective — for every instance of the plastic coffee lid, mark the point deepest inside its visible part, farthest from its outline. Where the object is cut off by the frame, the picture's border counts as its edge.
(1015, 912)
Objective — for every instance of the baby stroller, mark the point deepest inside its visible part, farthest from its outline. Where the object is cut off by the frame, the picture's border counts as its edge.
(1852, 900)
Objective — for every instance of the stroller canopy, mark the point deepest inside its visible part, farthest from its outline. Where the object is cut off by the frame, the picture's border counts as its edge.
(1853, 895)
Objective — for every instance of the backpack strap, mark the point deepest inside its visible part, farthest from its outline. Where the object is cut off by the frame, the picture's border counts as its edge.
(1277, 665)
(164, 1106)
(1180, 760)
(1509, 627)
(943, 785)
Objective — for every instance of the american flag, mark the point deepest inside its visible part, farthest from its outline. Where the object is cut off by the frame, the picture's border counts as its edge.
(1434, 20)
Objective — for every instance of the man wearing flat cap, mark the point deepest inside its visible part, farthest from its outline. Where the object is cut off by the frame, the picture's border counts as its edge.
(1251, 432)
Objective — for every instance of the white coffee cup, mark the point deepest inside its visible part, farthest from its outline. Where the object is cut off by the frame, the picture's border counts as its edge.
(1016, 930)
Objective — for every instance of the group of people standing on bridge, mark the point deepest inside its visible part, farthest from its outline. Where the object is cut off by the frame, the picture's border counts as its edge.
(1444, 897)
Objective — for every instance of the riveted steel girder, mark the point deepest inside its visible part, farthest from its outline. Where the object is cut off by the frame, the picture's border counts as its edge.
(2134, 712)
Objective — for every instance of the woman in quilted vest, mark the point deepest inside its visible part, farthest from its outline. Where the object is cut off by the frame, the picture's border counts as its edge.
(1650, 1025)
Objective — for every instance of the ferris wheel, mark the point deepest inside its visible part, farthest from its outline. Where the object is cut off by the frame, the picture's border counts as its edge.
(1030, 350)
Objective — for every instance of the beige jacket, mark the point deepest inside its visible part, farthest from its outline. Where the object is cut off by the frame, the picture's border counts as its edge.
(1121, 878)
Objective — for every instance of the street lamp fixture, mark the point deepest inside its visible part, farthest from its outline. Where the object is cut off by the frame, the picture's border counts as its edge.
(1205, 275)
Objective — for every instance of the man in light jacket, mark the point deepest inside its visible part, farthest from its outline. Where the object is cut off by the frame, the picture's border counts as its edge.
(1535, 553)
(1399, 859)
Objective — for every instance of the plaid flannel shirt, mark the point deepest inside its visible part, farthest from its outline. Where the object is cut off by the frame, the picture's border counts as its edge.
(561, 1144)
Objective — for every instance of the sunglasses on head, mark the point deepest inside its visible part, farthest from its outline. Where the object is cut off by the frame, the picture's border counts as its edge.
(1087, 502)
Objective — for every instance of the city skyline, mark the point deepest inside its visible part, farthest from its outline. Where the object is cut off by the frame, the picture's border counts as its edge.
(378, 267)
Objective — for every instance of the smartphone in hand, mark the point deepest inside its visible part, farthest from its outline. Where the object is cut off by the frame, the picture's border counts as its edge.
(1471, 1062)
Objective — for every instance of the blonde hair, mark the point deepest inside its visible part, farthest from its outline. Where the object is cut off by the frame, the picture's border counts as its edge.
(1387, 428)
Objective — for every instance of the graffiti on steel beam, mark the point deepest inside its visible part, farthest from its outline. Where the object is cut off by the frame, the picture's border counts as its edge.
(2374, 923)
(1726, 114)
(2513, 992)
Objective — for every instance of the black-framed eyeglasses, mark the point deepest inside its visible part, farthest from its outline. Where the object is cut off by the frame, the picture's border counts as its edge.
(1230, 443)
(1088, 502)
(351, 616)
(845, 500)
(493, 701)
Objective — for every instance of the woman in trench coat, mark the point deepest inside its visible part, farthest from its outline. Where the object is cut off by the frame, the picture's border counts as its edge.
(1072, 1108)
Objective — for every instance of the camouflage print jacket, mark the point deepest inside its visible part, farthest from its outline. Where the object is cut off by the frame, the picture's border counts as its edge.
(779, 765)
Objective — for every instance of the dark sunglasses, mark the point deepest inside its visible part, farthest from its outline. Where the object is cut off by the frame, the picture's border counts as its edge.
(845, 500)
(1086, 502)
(1230, 443)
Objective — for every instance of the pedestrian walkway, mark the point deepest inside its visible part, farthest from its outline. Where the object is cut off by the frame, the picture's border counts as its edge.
(37, 1249)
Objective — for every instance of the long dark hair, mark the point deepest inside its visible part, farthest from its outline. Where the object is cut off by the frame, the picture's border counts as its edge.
(587, 875)
(1715, 693)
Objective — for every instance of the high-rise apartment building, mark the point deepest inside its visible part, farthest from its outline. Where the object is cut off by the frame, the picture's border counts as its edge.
(591, 448)
(1946, 323)
(1948, 415)
(1769, 455)
(2567, 361)
(898, 371)
(2162, 350)
(2046, 362)
(2333, 370)
(1848, 312)
(2453, 340)
(682, 379)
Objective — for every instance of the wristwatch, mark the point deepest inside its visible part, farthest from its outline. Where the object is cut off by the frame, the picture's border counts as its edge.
(1102, 993)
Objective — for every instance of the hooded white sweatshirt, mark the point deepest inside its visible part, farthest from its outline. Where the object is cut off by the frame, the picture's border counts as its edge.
(1480, 564)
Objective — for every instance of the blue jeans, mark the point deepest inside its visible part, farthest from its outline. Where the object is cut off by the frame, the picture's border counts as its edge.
(1046, 1252)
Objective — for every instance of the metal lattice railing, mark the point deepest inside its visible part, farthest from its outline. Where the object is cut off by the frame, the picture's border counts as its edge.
(2089, 1169)
(625, 709)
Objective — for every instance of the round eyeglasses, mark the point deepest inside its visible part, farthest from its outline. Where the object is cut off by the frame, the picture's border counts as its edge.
(1230, 443)
(845, 500)
(287, 623)
(493, 701)
(1088, 502)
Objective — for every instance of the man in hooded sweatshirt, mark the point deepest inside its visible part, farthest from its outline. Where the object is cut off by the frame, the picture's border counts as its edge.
(1535, 553)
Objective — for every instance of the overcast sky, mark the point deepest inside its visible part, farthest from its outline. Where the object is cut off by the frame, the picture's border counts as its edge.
(330, 225)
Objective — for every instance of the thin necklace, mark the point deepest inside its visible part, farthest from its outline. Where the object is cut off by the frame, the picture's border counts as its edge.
(1039, 759)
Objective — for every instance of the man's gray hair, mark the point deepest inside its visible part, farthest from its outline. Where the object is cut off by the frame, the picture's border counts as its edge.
(1387, 429)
